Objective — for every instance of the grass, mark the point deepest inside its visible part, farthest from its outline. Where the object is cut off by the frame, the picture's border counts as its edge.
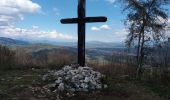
(13, 83)
(161, 90)
(18, 85)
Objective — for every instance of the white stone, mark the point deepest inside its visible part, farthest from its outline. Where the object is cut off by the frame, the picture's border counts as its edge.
(59, 80)
(99, 86)
(72, 90)
(87, 79)
(61, 87)
(44, 77)
(72, 78)
(84, 85)
(105, 86)
(67, 68)
(67, 77)
(51, 85)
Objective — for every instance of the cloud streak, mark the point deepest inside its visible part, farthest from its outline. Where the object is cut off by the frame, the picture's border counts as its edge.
(34, 34)
(12, 10)
(111, 1)
(103, 27)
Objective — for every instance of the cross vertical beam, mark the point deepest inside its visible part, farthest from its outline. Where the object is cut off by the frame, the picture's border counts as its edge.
(81, 32)
(82, 20)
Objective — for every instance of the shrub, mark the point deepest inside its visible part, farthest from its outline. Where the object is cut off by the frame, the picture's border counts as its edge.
(51, 58)
(6, 58)
(60, 58)
(23, 59)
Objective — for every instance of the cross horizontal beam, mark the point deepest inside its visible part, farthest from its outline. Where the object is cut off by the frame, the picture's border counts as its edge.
(83, 20)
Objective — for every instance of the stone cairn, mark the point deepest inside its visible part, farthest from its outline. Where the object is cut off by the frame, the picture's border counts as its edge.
(75, 78)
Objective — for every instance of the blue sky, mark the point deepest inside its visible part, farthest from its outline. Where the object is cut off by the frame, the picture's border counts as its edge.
(39, 20)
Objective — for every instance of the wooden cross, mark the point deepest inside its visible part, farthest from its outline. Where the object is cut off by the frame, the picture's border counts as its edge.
(82, 20)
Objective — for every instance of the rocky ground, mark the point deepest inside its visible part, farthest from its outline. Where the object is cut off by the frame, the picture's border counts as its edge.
(75, 78)
(27, 84)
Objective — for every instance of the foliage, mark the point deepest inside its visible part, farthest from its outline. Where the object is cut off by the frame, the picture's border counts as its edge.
(43, 57)
(6, 58)
(146, 21)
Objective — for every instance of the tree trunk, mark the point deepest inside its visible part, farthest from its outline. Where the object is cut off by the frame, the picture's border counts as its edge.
(141, 50)
(141, 57)
(138, 49)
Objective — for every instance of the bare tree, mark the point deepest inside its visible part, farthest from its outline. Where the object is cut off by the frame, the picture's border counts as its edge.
(146, 21)
(6, 58)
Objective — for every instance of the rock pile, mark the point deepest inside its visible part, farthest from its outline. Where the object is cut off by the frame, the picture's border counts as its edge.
(75, 78)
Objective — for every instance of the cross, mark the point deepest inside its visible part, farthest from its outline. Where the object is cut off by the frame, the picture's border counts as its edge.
(82, 20)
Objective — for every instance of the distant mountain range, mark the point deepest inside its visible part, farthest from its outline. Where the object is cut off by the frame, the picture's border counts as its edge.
(94, 49)
(9, 41)
(90, 44)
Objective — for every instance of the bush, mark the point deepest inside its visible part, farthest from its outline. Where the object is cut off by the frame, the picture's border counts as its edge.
(6, 58)
(51, 58)
(23, 59)
(60, 59)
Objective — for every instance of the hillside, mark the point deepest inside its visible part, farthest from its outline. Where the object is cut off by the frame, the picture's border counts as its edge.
(9, 41)
(89, 44)
(94, 49)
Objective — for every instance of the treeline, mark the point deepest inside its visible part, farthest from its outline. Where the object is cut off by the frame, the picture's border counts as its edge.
(7, 58)
(20, 58)
(155, 68)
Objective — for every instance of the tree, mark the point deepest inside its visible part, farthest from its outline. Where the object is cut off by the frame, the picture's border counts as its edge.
(146, 21)
(6, 58)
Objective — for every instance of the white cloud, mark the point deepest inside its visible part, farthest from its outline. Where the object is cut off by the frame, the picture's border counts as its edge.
(33, 33)
(161, 20)
(103, 27)
(120, 35)
(12, 10)
(35, 27)
(56, 11)
(111, 1)
(95, 28)
(13, 6)
(169, 20)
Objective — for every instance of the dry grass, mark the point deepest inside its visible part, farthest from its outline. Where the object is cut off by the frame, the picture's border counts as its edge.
(51, 59)
(17, 84)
